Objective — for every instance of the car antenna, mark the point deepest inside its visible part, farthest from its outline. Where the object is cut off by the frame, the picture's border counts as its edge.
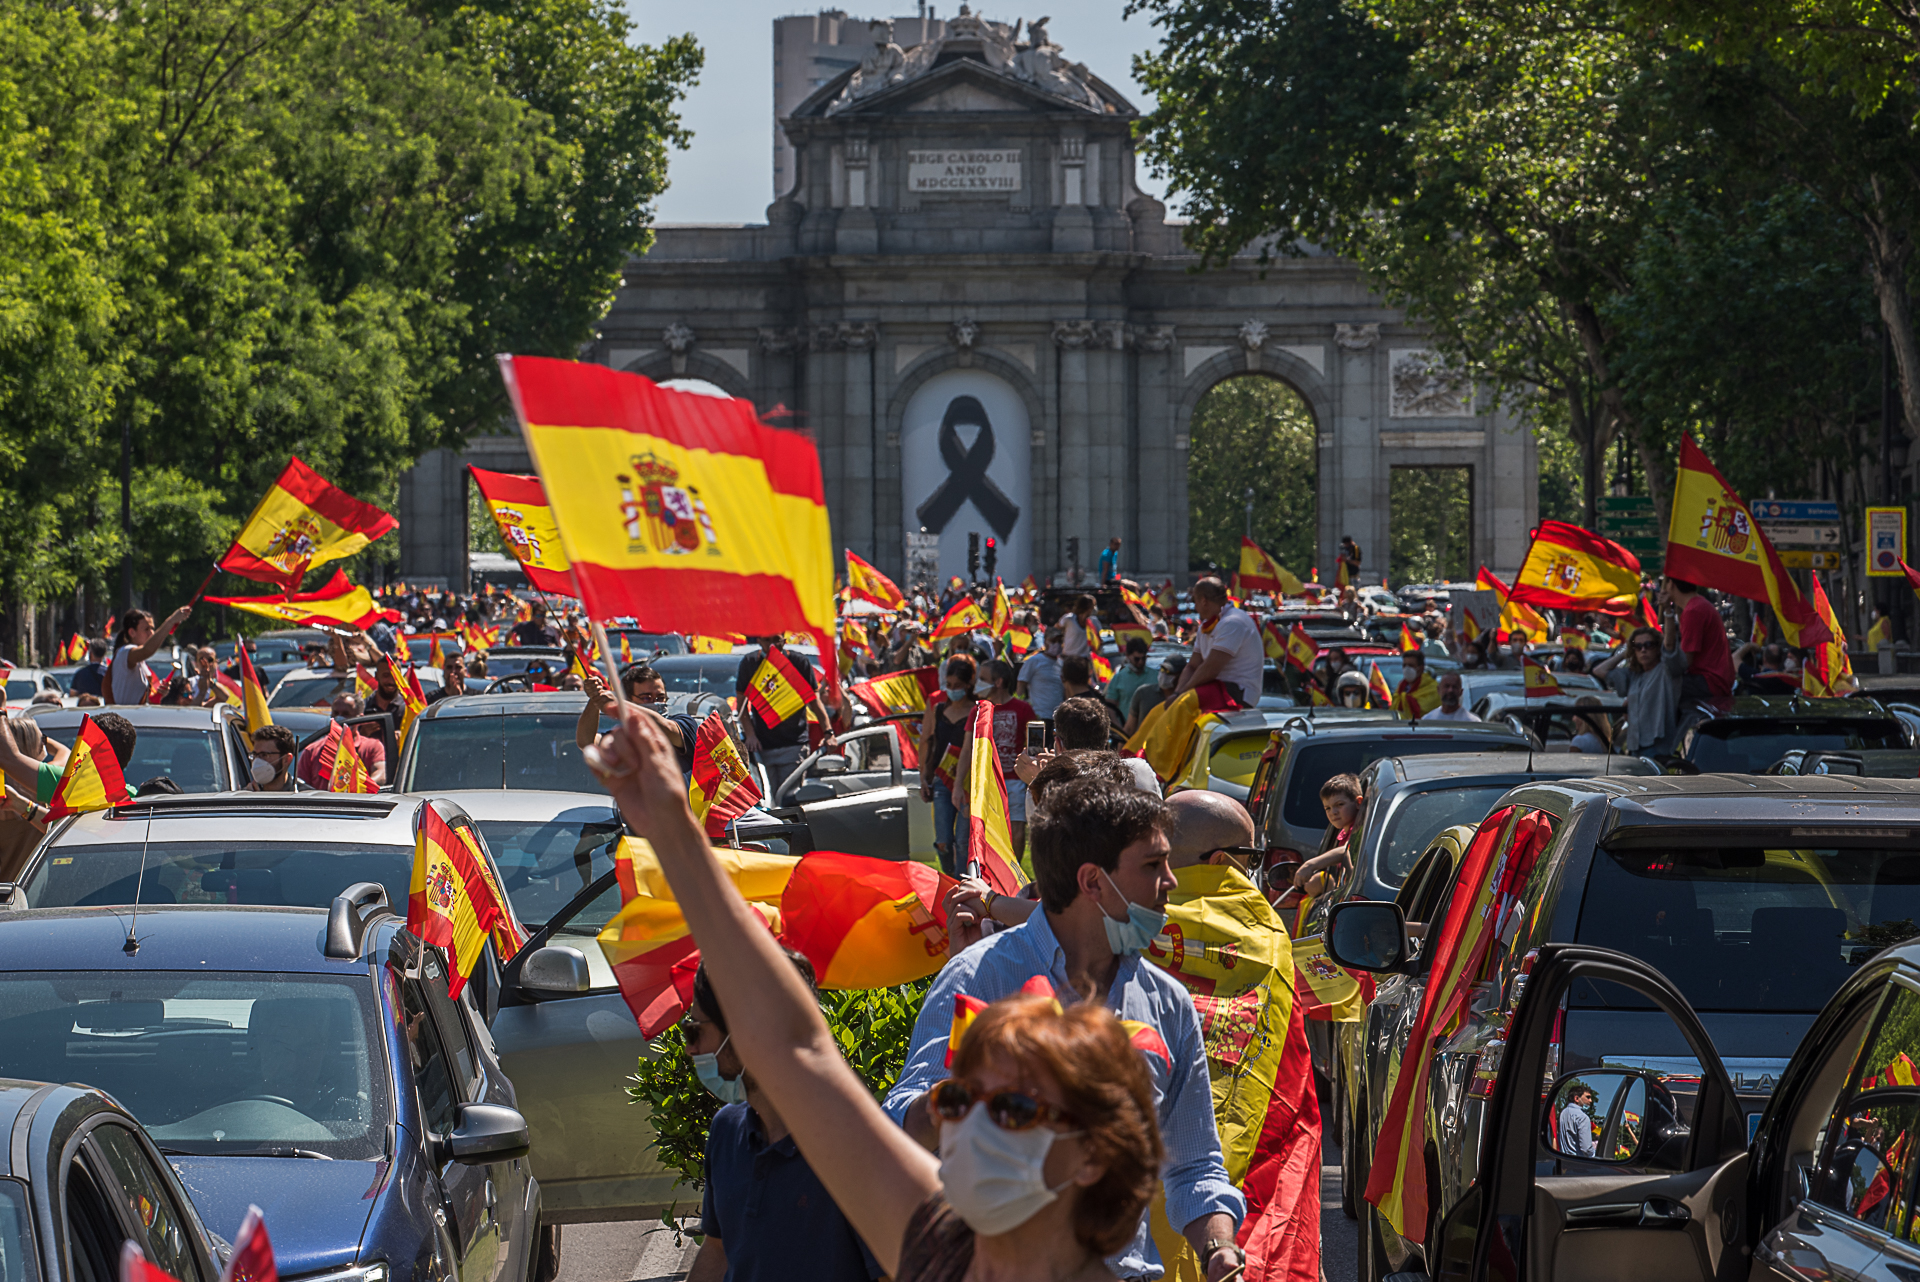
(132, 945)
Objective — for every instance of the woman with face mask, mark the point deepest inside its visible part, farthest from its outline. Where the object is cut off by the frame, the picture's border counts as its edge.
(943, 732)
(1048, 1145)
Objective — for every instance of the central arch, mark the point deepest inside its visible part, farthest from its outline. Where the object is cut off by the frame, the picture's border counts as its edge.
(1253, 436)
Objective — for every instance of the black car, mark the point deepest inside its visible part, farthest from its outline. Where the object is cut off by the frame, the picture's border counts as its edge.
(1757, 731)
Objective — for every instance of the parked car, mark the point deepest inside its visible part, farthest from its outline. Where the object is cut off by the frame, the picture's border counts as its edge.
(200, 749)
(698, 673)
(506, 741)
(1552, 723)
(642, 644)
(1757, 731)
(1227, 751)
(1757, 897)
(246, 1039)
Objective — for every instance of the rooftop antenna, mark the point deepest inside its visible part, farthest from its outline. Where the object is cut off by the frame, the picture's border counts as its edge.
(132, 945)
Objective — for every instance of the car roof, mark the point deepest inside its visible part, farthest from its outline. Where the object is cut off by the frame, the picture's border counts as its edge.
(380, 819)
(241, 937)
(507, 704)
(674, 662)
(1719, 800)
(1439, 766)
(141, 716)
(1518, 701)
(1798, 708)
(1371, 728)
(485, 804)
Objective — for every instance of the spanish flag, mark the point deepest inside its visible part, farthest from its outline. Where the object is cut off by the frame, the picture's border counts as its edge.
(1468, 628)
(1101, 668)
(1261, 573)
(1539, 683)
(963, 618)
(1574, 639)
(479, 638)
(1002, 610)
(1316, 697)
(525, 520)
(1568, 568)
(1513, 614)
(1273, 641)
(302, 522)
(1713, 541)
(1302, 649)
(253, 695)
(678, 509)
(451, 902)
(990, 851)
(337, 604)
(1408, 643)
(1420, 700)
(92, 779)
(721, 788)
(868, 584)
(340, 765)
(75, 650)
(866, 923)
(1828, 673)
(898, 692)
(778, 691)
(436, 657)
(1379, 693)
(413, 700)
(1167, 736)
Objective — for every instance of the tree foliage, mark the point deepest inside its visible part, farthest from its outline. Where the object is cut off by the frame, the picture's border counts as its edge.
(1252, 433)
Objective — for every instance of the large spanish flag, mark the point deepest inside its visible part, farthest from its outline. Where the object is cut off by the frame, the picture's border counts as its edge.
(1568, 568)
(898, 692)
(451, 901)
(253, 695)
(778, 691)
(337, 603)
(1713, 541)
(677, 509)
(302, 522)
(990, 851)
(963, 618)
(868, 584)
(866, 923)
(1261, 573)
(92, 779)
(721, 788)
(525, 521)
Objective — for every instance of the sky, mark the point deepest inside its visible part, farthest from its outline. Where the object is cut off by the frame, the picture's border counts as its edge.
(727, 175)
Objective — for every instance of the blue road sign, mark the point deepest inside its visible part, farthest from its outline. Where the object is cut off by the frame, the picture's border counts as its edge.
(1802, 511)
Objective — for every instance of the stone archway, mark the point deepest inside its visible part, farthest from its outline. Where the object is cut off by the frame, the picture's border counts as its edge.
(1253, 431)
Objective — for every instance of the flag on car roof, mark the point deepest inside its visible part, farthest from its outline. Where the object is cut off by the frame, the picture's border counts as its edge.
(1570, 568)
(678, 509)
(524, 518)
(251, 1259)
(1539, 683)
(253, 695)
(1261, 573)
(91, 779)
(1713, 541)
(721, 788)
(337, 603)
(302, 521)
(990, 852)
(866, 583)
(963, 618)
(452, 902)
(778, 691)
(866, 923)
(898, 692)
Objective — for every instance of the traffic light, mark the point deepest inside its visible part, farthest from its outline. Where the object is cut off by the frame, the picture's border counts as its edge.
(973, 555)
(993, 556)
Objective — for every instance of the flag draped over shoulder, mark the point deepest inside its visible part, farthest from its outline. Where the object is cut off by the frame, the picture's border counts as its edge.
(990, 852)
(866, 923)
(1483, 909)
(337, 603)
(678, 509)
(525, 521)
(1713, 541)
(452, 902)
(302, 521)
(721, 788)
(1570, 568)
(1424, 697)
(92, 779)
(1828, 672)
(1261, 573)
(898, 692)
(253, 695)
(868, 584)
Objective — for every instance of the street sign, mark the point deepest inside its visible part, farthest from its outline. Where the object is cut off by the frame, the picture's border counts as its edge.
(1801, 510)
(1796, 559)
(1625, 503)
(1817, 536)
(1886, 541)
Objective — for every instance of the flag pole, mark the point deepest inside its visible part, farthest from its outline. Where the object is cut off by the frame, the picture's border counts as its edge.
(606, 661)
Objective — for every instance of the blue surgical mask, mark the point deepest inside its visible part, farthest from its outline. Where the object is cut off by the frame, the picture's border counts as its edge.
(728, 1090)
(1133, 936)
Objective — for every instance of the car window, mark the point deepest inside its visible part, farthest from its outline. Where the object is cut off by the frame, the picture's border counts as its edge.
(1418, 817)
(427, 1052)
(93, 1231)
(1735, 747)
(453, 1026)
(143, 1196)
(1315, 763)
(514, 750)
(547, 862)
(1866, 1167)
(276, 874)
(1235, 757)
(17, 1263)
(189, 757)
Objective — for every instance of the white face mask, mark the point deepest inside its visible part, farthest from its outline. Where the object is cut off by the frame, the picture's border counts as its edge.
(262, 773)
(995, 1179)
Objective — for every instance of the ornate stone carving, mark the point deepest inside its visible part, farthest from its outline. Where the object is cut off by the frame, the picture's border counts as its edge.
(963, 334)
(883, 64)
(1356, 338)
(1111, 335)
(786, 341)
(1073, 335)
(1253, 336)
(845, 336)
(1039, 63)
(678, 339)
(994, 45)
(1153, 338)
(1423, 387)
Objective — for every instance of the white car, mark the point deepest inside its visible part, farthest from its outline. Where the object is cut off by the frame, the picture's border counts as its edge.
(24, 683)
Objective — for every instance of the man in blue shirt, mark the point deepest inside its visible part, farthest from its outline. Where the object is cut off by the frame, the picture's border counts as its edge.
(1100, 863)
(1110, 560)
(765, 1214)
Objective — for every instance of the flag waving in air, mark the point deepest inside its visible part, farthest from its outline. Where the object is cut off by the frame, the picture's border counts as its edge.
(866, 923)
(450, 901)
(777, 693)
(898, 692)
(1302, 649)
(253, 696)
(1568, 568)
(92, 779)
(1828, 672)
(963, 618)
(1261, 573)
(869, 585)
(1513, 614)
(990, 851)
(721, 788)
(1408, 643)
(340, 765)
(1379, 693)
(525, 521)
(337, 603)
(1539, 683)
(303, 521)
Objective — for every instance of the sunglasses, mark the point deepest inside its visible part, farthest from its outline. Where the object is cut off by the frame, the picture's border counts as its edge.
(953, 1099)
(1646, 645)
(1244, 857)
(637, 697)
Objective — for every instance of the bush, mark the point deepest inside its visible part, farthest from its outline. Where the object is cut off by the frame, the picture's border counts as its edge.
(873, 1027)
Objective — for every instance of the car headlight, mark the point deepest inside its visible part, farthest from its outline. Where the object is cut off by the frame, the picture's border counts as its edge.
(376, 1271)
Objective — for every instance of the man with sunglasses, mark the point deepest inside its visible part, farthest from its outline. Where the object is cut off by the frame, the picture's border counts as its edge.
(765, 1214)
(648, 689)
(1649, 680)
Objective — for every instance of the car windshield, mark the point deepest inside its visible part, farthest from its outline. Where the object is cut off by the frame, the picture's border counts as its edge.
(699, 674)
(1419, 817)
(1748, 929)
(1315, 763)
(642, 644)
(20, 688)
(209, 1063)
(261, 871)
(189, 757)
(1747, 747)
(313, 689)
(16, 1211)
(547, 862)
(513, 750)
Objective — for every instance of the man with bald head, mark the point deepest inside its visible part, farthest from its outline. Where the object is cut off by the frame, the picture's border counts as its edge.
(1208, 828)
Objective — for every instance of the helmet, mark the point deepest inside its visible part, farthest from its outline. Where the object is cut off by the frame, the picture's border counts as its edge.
(1350, 681)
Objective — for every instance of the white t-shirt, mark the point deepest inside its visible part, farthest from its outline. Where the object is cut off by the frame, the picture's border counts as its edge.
(130, 685)
(1074, 637)
(1235, 634)
(1461, 713)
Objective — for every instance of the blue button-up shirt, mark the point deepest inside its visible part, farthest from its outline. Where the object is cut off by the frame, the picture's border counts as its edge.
(996, 967)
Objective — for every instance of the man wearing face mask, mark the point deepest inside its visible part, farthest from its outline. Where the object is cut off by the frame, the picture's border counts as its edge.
(1100, 861)
(271, 764)
(765, 1214)
(1040, 684)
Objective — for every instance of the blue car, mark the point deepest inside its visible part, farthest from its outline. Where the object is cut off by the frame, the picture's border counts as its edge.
(308, 1061)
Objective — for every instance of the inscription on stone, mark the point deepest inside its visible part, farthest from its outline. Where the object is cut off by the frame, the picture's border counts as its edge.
(963, 170)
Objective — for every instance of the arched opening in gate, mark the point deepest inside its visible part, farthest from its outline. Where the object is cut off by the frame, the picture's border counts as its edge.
(1430, 525)
(1252, 468)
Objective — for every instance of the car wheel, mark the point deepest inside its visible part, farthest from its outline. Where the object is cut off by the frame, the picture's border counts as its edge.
(546, 1254)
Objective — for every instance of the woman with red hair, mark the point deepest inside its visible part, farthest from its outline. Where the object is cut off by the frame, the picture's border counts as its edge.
(1049, 1149)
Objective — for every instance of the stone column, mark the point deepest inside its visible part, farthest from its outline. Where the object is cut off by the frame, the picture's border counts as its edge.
(1160, 537)
(1354, 499)
(858, 437)
(1072, 338)
(825, 416)
(433, 538)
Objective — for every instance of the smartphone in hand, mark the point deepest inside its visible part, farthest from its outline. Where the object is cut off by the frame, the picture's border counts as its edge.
(1036, 736)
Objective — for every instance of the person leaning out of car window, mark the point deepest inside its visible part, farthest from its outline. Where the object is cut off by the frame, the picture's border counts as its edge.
(647, 690)
(271, 762)
(31, 781)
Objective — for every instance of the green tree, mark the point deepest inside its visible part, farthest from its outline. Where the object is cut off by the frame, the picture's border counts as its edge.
(1252, 433)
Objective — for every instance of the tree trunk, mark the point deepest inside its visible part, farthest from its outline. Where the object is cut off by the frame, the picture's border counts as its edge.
(1888, 250)
(1593, 341)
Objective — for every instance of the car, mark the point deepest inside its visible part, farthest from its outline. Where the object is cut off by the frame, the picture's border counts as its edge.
(513, 661)
(1554, 722)
(1759, 730)
(250, 1040)
(1227, 748)
(1881, 763)
(1477, 683)
(80, 1179)
(24, 683)
(1714, 880)
(474, 741)
(200, 749)
(698, 673)
(642, 644)
(316, 687)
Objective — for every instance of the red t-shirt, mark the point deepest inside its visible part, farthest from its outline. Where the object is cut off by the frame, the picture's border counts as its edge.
(372, 753)
(1010, 730)
(1704, 639)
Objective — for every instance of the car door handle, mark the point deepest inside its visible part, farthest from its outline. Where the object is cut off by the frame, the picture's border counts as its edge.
(886, 812)
(1654, 1213)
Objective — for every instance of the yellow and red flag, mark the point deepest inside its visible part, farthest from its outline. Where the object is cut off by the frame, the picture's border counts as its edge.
(1713, 541)
(1261, 573)
(866, 923)
(340, 765)
(1574, 639)
(778, 691)
(452, 901)
(1424, 697)
(1468, 628)
(1513, 614)
(1302, 649)
(1102, 669)
(480, 638)
(1316, 697)
(436, 657)
(525, 520)
(721, 788)
(1827, 673)
(898, 692)
(1166, 738)
(1002, 610)
(75, 650)
(1329, 991)
(867, 584)
(1273, 640)
(413, 701)
(1570, 568)
(302, 522)
(1379, 693)
(338, 604)
(1409, 644)
(963, 618)
(91, 779)
(990, 851)
(1539, 683)
(253, 695)
(678, 509)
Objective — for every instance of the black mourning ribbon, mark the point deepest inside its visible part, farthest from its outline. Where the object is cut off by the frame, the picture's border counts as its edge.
(967, 474)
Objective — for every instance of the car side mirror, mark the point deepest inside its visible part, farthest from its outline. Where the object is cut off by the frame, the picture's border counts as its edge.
(486, 1133)
(1603, 1115)
(556, 968)
(1366, 934)
(830, 763)
(812, 791)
